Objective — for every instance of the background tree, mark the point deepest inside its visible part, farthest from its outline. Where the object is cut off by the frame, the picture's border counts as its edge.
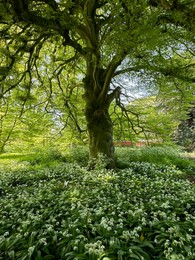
(185, 134)
(24, 121)
(7, 124)
(103, 39)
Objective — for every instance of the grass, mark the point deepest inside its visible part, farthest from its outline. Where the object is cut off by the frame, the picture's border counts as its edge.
(40, 157)
(164, 155)
(12, 160)
(57, 209)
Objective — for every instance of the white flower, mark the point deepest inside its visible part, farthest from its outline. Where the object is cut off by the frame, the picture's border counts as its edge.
(66, 183)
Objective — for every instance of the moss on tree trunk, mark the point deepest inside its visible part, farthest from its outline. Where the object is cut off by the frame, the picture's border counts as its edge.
(100, 136)
(97, 100)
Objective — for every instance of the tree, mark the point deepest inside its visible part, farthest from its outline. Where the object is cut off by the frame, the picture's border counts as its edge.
(156, 122)
(20, 119)
(150, 118)
(185, 134)
(99, 40)
(7, 124)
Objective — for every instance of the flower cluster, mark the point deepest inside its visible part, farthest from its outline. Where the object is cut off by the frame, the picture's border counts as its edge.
(67, 212)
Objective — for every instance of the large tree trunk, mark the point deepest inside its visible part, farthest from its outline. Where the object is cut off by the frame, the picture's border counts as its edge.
(98, 98)
(99, 123)
(100, 137)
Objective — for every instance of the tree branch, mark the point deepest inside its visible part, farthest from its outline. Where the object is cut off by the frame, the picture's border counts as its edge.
(115, 94)
(171, 72)
(116, 61)
(176, 13)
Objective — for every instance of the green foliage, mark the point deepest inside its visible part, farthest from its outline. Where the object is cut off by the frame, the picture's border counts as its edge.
(44, 156)
(47, 156)
(185, 136)
(163, 155)
(156, 121)
(66, 212)
(78, 154)
(53, 63)
(22, 124)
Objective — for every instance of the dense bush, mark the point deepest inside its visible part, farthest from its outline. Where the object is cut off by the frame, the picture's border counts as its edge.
(66, 212)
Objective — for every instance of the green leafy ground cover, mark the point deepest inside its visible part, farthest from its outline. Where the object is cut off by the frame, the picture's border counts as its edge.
(60, 210)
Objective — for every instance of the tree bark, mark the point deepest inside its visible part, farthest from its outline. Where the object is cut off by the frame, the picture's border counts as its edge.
(99, 123)
(100, 131)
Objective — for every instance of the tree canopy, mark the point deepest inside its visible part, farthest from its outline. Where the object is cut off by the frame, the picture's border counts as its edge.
(86, 48)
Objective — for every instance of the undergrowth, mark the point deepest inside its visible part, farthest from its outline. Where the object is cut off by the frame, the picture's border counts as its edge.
(61, 210)
(165, 155)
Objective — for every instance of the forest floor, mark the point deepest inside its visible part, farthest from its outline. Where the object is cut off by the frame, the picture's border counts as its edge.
(52, 207)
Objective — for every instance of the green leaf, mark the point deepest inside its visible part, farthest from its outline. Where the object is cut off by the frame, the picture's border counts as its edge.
(11, 254)
(134, 256)
(48, 257)
(146, 244)
(31, 250)
(45, 249)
